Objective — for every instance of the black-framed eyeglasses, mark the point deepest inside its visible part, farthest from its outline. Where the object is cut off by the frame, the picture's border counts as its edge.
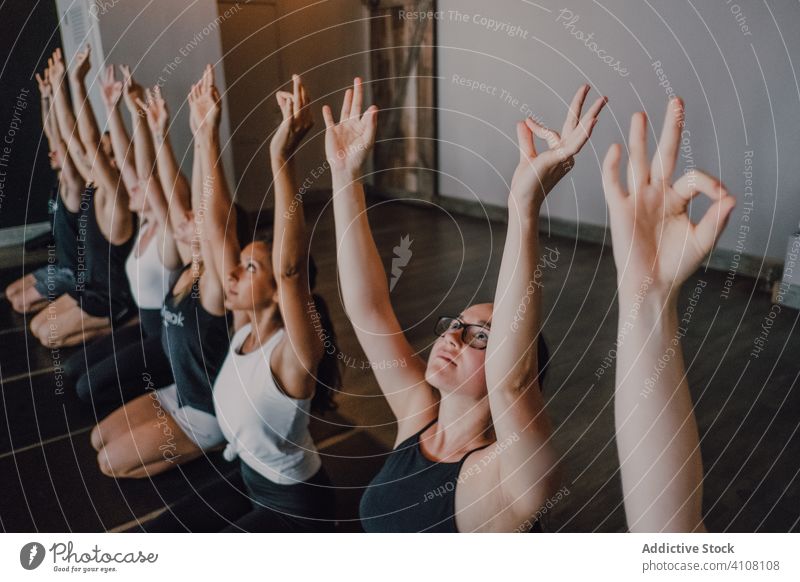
(473, 334)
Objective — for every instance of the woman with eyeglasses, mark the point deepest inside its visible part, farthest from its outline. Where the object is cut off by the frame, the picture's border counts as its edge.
(473, 450)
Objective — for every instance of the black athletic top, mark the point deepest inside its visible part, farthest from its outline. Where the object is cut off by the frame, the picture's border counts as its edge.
(100, 265)
(197, 343)
(65, 231)
(411, 493)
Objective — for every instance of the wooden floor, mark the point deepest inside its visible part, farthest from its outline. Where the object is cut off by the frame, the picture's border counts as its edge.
(748, 408)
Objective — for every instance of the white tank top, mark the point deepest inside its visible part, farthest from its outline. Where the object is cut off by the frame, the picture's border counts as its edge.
(150, 280)
(264, 426)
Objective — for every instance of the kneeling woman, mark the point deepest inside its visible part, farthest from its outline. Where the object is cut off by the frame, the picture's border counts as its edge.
(101, 297)
(176, 424)
(109, 373)
(471, 420)
(277, 372)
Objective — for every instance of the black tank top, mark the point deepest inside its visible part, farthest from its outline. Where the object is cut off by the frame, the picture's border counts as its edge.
(197, 343)
(411, 493)
(105, 262)
(65, 232)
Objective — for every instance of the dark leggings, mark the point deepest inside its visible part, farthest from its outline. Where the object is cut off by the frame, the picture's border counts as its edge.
(114, 372)
(248, 502)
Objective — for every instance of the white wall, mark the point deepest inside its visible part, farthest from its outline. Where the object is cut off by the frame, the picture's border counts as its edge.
(731, 107)
(164, 43)
(327, 44)
(169, 43)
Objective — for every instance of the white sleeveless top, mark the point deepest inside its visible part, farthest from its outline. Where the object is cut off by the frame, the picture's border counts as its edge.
(149, 279)
(264, 426)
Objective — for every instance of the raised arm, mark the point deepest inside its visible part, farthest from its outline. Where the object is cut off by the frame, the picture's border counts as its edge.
(70, 179)
(214, 219)
(176, 189)
(111, 89)
(65, 117)
(70, 183)
(528, 469)
(363, 282)
(88, 130)
(48, 112)
(145, 154)
(111, 192)
(656, 248)
(299, 355)
(145, 165)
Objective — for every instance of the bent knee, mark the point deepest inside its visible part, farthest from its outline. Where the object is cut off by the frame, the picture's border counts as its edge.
(83, 388)
(17, 303)
(50, 338)
(13, 290)
(118, 468)
(96, 439)
(107, 463)
(41, 330)
(75, 367)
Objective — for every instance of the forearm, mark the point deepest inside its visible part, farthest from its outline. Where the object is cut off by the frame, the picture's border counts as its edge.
(145, 154)
(174, 184)
(44, 103)
(48, 121)
(146, 167)
(657, 435)
(363, 281)
(121, 145)
(88, 131)
(512, 355)
(530, 468)
(197, 178)
(289, 230)
(217, 198)
(65, 118)
(289, 260)
(157, 201)
(217, 225)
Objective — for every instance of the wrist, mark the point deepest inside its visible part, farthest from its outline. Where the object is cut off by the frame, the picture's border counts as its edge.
(280, 161)
(525, 208)
(344, 176)
(206, 140)
(646, 294)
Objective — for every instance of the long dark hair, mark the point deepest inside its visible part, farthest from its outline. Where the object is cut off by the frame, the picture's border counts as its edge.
(329, 377)
(544, 358)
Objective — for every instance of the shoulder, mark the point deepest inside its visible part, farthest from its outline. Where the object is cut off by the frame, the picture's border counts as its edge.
(289, 374)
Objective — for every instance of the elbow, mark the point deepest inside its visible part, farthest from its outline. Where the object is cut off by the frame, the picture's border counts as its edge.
(289, 272)
(547, 493)
(91, 148)
(366, 313)
(516, 387)
(368, 298)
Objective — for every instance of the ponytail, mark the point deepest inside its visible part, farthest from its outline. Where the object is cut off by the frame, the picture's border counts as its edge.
(329, 377)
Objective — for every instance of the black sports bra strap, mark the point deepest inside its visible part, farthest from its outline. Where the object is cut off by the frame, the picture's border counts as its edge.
(426, 427)
(467, 454)
(464, 458)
